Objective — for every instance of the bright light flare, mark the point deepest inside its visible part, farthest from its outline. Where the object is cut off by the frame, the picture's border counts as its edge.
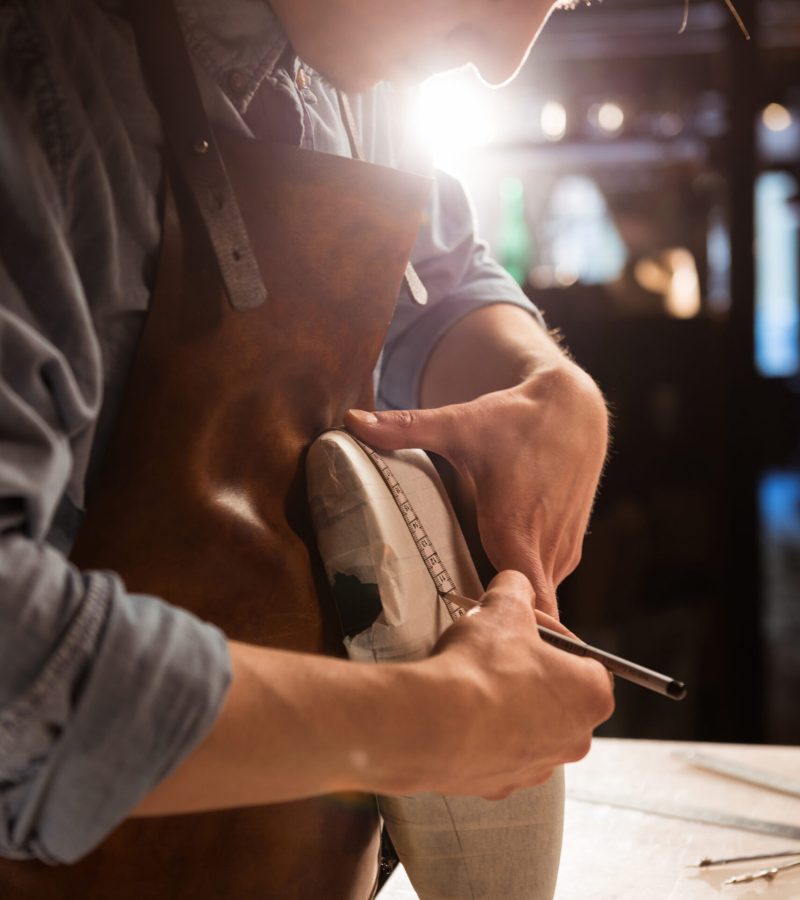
(454, 113)
(553, 120)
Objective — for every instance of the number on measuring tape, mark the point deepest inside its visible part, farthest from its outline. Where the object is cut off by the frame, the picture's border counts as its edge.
(442, 581)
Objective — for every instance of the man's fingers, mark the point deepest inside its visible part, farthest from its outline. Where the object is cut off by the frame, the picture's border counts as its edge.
(517, 585)
(597, 668)
(510, 586)
(428, 429)
(603, 683)
(511, 542)
(509, 599)
(548, 621)
(509, 583)
(546, 601)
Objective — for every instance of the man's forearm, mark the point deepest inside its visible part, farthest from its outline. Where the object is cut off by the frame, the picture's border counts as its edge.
(491, 349)
(295, 725)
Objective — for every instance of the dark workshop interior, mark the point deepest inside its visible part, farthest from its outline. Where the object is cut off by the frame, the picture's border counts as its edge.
(643, 186)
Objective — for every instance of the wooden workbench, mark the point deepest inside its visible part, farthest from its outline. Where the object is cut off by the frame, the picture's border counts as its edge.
(618, 854)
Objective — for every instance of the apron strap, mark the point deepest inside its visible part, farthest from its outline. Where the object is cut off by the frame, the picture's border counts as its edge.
(417, 290)
(350, 126)
(168, 69)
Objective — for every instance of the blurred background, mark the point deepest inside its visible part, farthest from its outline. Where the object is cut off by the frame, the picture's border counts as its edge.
(643, 187)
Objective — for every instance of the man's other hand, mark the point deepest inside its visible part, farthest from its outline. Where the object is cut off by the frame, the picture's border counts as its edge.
(531, 455)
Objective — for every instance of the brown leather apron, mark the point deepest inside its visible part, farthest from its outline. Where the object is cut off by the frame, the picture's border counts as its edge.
(202, 497)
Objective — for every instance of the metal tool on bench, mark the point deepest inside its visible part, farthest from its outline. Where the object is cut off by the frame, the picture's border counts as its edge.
(768, 780)
(767, 874)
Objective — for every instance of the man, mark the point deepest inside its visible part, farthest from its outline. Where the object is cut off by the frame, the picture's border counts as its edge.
(116, 702)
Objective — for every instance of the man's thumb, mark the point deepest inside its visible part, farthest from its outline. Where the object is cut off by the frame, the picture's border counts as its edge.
(428, 429)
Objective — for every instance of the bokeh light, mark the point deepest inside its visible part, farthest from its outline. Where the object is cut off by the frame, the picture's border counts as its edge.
(668, 125)
(610, 117)
(776, 117)
(673, 274)
(553, 120)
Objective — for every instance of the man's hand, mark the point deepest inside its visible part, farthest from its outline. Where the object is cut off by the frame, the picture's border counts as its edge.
(531, 455)
(498, 708)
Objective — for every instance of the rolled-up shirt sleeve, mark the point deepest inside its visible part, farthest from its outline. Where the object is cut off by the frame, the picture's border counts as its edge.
(126, 690)
(101, 693)
(460, 275)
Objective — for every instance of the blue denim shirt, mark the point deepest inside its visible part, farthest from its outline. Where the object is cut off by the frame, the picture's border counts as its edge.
(102, 693)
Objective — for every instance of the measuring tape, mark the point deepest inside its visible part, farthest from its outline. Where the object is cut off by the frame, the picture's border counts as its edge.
(442, 581)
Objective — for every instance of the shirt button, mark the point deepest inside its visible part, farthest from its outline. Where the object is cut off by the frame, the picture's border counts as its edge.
(237, 82)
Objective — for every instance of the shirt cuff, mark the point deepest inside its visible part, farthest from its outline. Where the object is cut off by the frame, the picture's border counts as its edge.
(149, 685)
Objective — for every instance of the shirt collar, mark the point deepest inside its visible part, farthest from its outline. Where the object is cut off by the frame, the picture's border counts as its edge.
(238, 42)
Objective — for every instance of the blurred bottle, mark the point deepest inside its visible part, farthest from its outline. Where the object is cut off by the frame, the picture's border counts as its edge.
(514, 251)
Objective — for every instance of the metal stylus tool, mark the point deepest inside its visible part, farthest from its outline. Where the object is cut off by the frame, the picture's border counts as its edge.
(630, 671)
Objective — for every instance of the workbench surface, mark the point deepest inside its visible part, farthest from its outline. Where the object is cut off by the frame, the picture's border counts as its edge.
(619, 854)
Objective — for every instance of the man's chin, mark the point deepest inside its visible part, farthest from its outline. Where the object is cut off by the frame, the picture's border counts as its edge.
(414, 73)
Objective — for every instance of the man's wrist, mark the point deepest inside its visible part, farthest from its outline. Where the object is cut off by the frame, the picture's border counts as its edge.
(406, 742)
(556, 378)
